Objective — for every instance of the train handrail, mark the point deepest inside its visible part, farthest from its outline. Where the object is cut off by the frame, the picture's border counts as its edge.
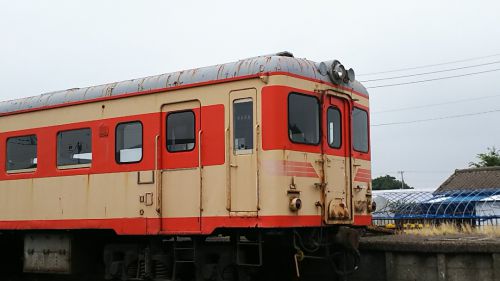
(200, 168)
(158, 177)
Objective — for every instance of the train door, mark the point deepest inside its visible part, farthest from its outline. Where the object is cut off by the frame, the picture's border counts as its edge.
(337, 166)
(243, 152)
(181, 166)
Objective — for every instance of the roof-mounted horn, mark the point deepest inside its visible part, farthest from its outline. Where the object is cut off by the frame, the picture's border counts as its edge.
(336, 72)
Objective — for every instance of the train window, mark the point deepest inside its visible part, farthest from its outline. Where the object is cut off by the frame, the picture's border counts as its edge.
(74, 147)
(303, 119)
(128, 142)
(181, 131)
(21, 153)
(243, 126)
(334, 127)
(360, 130)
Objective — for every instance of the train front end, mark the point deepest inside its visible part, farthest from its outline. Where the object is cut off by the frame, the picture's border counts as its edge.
(316, 150)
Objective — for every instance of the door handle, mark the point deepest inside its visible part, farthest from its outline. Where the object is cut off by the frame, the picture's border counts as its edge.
(233, 165)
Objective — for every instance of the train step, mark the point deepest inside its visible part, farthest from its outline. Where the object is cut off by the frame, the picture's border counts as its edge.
(184, 251)
(249, 252)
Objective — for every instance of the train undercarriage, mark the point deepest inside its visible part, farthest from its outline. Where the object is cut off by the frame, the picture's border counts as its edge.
(328, 253)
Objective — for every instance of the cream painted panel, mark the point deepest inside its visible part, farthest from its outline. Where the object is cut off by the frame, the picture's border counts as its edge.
(181, 193)
(338, 188)
(49, 200)
(214, 191)
(14, 201)
(74, 197)
(243, 164)
(274, 185)
(119, 195)
(364, 193)
(150, 103)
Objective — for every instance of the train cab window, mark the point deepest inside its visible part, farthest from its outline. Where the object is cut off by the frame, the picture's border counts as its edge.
(334, 127)
(74, 147)
(181, 131)
(303, 119)
(21, 153)
(128, 142)
(360, 130)
(243, 126)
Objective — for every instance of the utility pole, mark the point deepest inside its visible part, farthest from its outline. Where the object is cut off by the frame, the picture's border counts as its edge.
(402, 179)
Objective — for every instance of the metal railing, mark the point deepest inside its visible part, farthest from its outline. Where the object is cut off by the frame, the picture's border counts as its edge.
(476, 208)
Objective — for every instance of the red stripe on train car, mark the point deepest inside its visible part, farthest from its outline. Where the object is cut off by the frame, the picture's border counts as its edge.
(362, 220)
(364, 171)
(103, 147)
(296, 164)
(363, 175)
(130, 226)
(143, 226)
(290, 168)
(362, 179)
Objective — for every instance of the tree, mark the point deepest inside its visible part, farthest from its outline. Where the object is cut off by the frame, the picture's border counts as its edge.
(388, 182)
(489, 159)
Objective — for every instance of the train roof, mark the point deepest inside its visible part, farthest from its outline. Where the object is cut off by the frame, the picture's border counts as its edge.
(283, 62)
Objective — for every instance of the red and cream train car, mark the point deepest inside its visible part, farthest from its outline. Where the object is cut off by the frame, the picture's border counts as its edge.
(187, 169)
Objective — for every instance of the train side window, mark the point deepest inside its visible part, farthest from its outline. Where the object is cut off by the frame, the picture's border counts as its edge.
(128, 142)
(74, 147)
(334, 124)
(21, 153)
(360, 130)
(243, 126)
(180, 131)
(303, 119)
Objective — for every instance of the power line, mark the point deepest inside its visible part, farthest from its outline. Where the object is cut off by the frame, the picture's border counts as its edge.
(434, 104)
(434, 79)
(431, 72)
(428, 65)
(437, 118)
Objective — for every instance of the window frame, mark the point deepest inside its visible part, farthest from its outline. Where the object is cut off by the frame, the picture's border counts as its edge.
(142, 142)
(18, 171)
(319, 119)
(248, 150)
(333, 107)
(74, 166)
(194, 130)
(367, 130)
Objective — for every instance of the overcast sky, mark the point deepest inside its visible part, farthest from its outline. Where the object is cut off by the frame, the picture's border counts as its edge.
(55, 45)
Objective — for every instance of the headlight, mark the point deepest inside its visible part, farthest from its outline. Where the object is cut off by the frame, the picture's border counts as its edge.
(295, 204)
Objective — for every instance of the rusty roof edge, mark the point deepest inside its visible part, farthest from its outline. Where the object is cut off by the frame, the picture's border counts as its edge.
(233, 70)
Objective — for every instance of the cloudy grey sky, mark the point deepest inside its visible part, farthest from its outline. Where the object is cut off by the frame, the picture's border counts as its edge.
(55, 45)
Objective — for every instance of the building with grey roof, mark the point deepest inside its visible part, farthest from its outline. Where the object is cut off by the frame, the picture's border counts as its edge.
(472, 179)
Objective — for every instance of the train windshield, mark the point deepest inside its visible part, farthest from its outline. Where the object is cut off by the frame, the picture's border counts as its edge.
(303, 119)
(360, 130)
